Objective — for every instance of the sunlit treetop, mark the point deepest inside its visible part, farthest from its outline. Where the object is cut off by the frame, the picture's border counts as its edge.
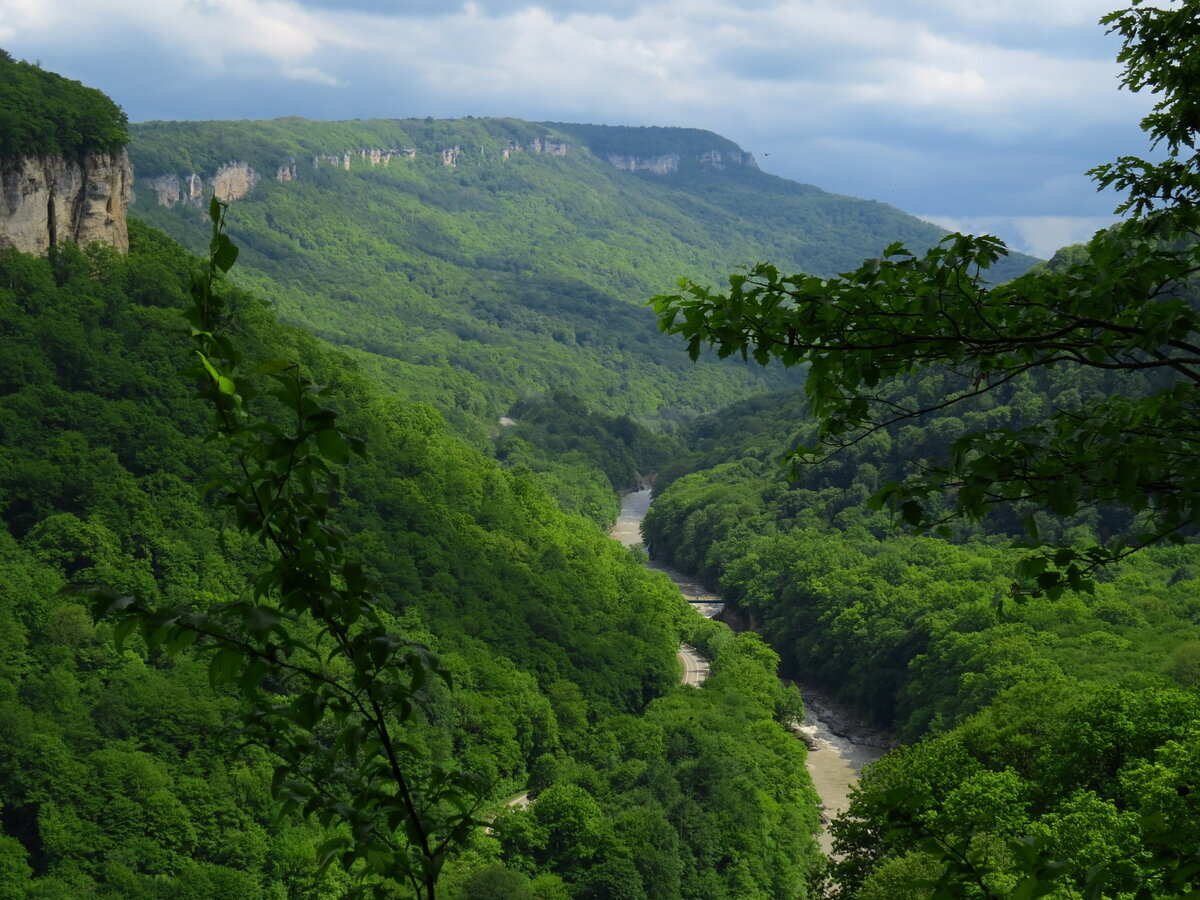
(44, 114)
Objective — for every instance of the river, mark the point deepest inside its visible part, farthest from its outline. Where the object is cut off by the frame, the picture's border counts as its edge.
(837, 753)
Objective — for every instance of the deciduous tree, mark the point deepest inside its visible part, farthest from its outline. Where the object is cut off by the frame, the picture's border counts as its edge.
(1123, 304)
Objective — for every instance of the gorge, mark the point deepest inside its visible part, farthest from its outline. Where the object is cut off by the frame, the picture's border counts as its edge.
(439, 370)
(838, 745)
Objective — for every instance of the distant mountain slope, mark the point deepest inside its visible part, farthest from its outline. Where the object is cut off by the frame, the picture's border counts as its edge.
(803, 227)
(472, 262)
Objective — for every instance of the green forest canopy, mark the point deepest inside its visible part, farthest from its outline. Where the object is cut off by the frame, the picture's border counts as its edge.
(118, 777)
(1055, 736)
(512, 274)
(44, 114)
(1126, 303)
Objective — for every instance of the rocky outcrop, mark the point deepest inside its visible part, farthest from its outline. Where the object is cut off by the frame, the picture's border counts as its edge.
(669, 162)
(547, 144)
(171, 189)
(374, 155)
(550, 145)
(167, 189)
(656, 165)
(49, 200)
(718, 160)
(193, 188)
(234, 181)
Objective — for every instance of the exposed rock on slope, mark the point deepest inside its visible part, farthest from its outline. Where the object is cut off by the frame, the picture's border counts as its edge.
(666, 163)
(47, 200)
(658, 165)
(234, 181)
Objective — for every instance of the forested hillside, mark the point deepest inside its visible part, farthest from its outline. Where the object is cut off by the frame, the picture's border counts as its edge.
(433, 277)
(116, 777)
(476, 262)
(1064, 718)
(44, 114)
(1033, 642)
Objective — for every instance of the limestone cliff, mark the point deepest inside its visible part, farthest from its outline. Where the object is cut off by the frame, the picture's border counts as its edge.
(373, 155)
(549, 144)
(667, 163)
(719, 160)
(167, 188)
(234, 181)
(658, 165)
(47, 200)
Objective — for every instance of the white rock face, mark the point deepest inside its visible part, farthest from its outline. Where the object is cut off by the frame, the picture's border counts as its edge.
(193, 188)
(233, 181)
(719, 161)
(657, 165)
(668, 163)
(550, 145)
(167, 189)
(46, 200)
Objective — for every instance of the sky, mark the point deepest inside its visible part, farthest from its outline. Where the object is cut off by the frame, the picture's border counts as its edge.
(979, 115)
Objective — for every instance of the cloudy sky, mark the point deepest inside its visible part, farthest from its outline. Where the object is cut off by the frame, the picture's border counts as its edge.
(979, 114)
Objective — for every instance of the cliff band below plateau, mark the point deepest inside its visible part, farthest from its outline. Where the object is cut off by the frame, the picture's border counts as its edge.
(47, 200)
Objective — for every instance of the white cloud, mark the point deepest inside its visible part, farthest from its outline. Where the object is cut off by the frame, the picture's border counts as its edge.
(20, 15)
(309, 73)
(676, 59)
(933, 84)
(1037, 235)
(213, 33)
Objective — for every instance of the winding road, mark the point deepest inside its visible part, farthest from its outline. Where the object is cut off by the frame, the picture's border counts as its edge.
(695, 666)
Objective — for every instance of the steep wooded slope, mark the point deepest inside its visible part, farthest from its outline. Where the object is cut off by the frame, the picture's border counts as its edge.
(116, 776)
(476, 261)
(1073, 720)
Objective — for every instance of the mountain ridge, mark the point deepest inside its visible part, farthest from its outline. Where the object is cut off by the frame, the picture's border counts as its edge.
(473, 274)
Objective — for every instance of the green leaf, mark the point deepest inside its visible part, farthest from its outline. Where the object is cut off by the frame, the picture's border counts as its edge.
(331, 445)
(208, 366)
(225, 254)
(329, 850)
(124, 628)
(911, 512)
(307, 709)
(261, 619)
(223, 668)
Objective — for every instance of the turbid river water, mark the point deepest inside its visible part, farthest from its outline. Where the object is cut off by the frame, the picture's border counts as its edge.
(839, 746)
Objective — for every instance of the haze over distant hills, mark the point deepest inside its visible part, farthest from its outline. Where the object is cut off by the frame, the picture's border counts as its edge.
(473, 262)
